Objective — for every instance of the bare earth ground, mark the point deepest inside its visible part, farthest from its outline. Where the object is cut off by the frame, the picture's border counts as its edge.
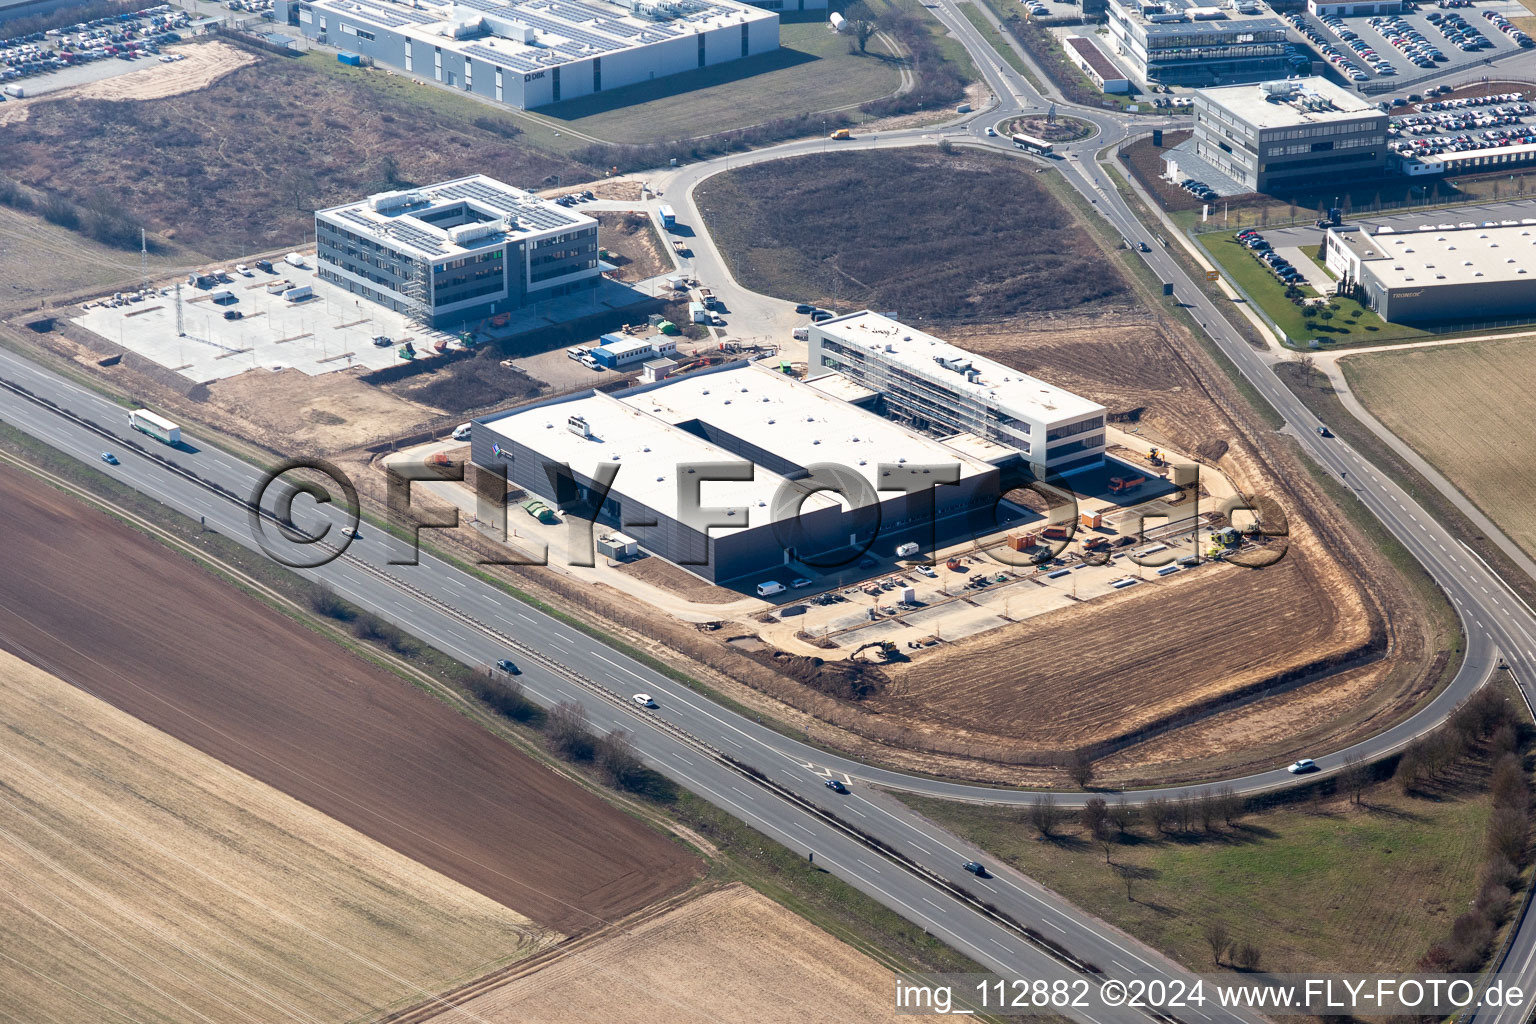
(731, 954)
(177, 648)
(147, 880)
(662, 573)
(633, 239)
(1454, 405)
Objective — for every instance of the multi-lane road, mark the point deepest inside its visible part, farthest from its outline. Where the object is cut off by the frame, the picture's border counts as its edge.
(701, 744)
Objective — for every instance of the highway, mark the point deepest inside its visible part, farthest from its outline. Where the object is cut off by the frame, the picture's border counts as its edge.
(697, 742)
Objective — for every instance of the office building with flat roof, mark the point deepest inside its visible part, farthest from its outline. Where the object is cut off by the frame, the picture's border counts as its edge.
(940, 389)
(531, 53)
(456, 251)
(1286, 135)
(1174, 42)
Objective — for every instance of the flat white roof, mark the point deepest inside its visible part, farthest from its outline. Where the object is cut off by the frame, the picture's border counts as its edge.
(1009, 390)
(532, 36)
(451, 218)
(640, 434)
(1252, 104)
(1445, 256)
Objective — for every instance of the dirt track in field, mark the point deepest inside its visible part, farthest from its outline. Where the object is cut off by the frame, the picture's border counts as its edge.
(112, 612)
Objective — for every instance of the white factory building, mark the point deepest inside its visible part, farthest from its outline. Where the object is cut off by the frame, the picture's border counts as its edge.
(741, 470)
(531, 53)
(1441, 275)
(940, 389)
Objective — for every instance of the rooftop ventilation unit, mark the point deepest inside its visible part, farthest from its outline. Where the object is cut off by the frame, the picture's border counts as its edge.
(382, 201)
(579, 425)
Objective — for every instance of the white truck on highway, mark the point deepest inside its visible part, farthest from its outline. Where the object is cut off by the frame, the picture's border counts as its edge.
(157, 427)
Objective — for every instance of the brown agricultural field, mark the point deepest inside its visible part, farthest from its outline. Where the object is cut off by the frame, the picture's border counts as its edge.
(147, 881)
(714, 958)
(1453, 404)
(112, 612)
(240, 166)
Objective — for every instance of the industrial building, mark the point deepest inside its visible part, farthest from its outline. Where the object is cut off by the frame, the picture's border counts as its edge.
(1098, 67)
(1174, 42)
(1440, 275)
(725, 472)
(457, 251)
(531, 53)
(940, 389)
(1289, 134)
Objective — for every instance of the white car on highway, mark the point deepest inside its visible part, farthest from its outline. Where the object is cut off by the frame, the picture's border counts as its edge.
(644, 700)
(1303, 766)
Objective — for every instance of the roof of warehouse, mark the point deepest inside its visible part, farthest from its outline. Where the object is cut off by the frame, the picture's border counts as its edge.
(400, 218)
(639, 432)
(920, 353)
(1251, 103)
(1446, 256)
(560, 31)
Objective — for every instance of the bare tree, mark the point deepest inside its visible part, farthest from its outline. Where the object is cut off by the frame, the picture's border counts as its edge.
(1158, 812)
(617, 758)
(1217, 937)
(1107, 845)
(1355, 777)
(1231, 805)
(1206, 807)
(861, 23)
(1044, 815)
(1080, 769)
(1123, 816)
(1095, 817)
(1246, 956)
(568, 733)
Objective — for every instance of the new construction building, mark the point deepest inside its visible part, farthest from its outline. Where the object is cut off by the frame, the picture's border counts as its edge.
(740, 470)
(456, 251)
(1174, 42)
(531, 53)
(1285, 134)
(1440, 275)
(940, 389)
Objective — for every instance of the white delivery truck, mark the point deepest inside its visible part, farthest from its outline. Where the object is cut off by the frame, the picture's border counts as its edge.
(157, 427)
(906, 550)
(770, 588)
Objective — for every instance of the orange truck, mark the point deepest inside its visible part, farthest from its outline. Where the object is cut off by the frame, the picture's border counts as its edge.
(1120, 484)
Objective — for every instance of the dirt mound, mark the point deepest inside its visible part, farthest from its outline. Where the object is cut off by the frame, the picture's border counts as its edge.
(845, 680)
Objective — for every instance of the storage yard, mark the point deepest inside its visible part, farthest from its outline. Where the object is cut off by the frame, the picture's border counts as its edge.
(305, 716)
(181, 888)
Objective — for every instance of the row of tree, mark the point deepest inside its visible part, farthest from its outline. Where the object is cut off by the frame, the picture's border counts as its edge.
(98, 217)
(1486, 725)
(1206, 812)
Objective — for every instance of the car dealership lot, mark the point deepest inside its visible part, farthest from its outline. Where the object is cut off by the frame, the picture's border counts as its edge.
(1381, 48)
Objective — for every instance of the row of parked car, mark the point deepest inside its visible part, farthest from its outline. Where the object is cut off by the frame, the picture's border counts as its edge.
(1199, 189)
(1278, 265)
(576, 198)
(1409, 40)
(1508, 27)
(1459, 32)
(1332, 53)
(126, 37)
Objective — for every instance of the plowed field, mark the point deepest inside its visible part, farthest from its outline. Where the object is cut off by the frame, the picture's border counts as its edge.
(105, 608)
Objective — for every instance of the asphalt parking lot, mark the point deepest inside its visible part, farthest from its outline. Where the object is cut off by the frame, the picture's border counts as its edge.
(1515, 211)
(1442, 124)
(1358, 69)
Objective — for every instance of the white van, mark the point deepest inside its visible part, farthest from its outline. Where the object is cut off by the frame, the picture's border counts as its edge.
(461, 432)
(575, 352)
(770, 588)
(802, 334)
(906, 550)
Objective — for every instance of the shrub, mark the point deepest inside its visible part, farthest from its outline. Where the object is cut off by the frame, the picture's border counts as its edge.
(568, 733)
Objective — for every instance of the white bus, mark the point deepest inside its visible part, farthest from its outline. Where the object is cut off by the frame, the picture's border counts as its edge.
(1032, 144)
(157, 427)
